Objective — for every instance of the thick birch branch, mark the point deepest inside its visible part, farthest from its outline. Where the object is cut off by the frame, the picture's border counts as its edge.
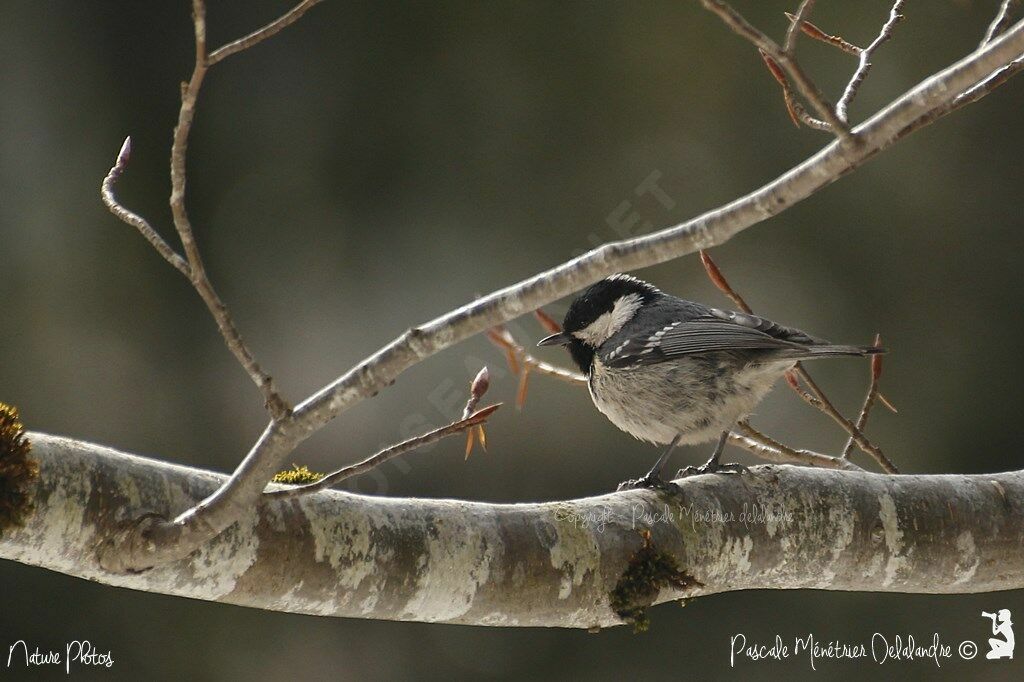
(158, 540)
(552, 564)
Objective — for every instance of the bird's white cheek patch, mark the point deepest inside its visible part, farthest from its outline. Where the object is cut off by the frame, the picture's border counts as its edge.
(601, 329)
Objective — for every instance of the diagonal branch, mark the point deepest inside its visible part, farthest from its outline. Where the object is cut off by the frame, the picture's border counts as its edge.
(869, 398)
(771, 450)
(865, 60)
(261, 34)
(388, 453)
(153, 540)
(825, 405)
(797, 25)
(1001, 22)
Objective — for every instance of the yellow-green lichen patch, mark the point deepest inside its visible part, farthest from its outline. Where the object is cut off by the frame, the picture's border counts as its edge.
(649, 570)
(17, 471)
(297, 475)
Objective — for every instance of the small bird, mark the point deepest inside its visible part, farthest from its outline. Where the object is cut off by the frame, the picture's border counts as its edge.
(671, 371)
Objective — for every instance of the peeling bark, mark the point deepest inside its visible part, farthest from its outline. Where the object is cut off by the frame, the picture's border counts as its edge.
(552, 564)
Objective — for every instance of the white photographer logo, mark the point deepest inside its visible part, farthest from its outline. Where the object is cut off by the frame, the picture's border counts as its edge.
(1001, 626)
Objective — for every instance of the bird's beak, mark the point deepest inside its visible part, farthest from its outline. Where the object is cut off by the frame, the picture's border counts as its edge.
(559, 339)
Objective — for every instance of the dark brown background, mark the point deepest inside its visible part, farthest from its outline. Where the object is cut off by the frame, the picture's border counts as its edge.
(380, 163)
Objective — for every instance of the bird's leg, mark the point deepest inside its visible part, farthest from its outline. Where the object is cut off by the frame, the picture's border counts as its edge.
(653, 479)
(712, 466)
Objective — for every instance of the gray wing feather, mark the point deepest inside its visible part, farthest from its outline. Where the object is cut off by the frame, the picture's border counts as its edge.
(766, 326)
(709, 330)
(696, 336)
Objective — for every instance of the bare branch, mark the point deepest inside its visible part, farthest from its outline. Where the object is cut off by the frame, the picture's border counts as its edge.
(865, 60)
(797, 113)
(259, 35)
(798, 24)
(388, 453)
(1002, 21)
(134, 219)
(821, 401)
(771, 450)
(822, 107)
(869, 399)
(278, 407)
(152, 541)
(717, 278)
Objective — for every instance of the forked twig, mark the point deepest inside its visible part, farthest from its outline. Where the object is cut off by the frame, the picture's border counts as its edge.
(795, 73)
(768, 448)
(134, 219)
(192, 264)
(857, 79)
(872, 395)
(797, 113)
(1001, 22)
(826, 406)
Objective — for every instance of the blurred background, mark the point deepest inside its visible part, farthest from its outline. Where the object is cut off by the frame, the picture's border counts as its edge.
(380, 163)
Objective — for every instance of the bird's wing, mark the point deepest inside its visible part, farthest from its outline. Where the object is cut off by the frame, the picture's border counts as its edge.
(772, 329)
(716, 331)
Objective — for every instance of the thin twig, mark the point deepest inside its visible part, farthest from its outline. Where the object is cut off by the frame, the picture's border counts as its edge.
(278, 407)
(807, 88)
(1001, 22)
(718, 279)
(134, 219)
(769, 449)
(797, 25)
(869, 398)
(826, 406)
(865, 60)
(500, 337)
(261, 34)
(473, 420)
(797, 113)
(813, 31)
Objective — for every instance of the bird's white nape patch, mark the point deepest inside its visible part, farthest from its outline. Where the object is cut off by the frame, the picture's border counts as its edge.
(602, 329)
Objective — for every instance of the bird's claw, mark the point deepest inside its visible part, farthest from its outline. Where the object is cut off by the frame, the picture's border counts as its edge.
(713, 468)
(650, 482)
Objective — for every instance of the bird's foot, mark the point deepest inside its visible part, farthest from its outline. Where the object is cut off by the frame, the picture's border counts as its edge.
(712, 467)
(651, 482)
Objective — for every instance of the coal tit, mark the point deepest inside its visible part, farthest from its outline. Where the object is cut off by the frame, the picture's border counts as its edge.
(672, 371)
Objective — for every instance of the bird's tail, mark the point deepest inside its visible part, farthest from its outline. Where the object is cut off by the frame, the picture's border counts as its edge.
(831, 351)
